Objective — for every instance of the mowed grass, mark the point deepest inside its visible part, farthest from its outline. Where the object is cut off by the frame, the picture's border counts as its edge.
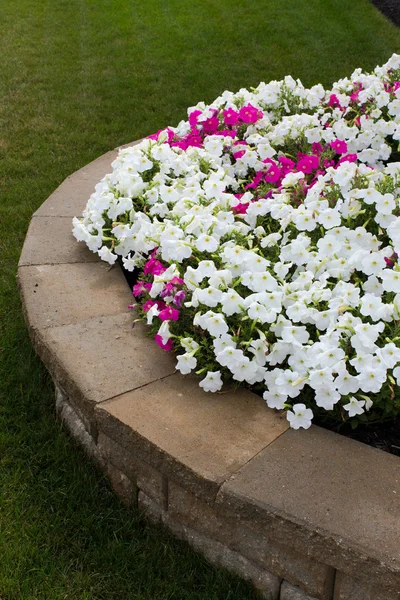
(77, 78)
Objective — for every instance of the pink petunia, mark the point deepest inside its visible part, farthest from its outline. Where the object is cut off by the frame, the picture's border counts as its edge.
(250, 114)
(348, 158)
(308, 163)
(179, 298)
(231, 116)
(149, 303)
(169, 314)
(140, 288)
(194, 117)
(153, 267)
(255, 182)
(334, 101)
(210, 125)
(168, 346)
(241, 209)
(317, 148)
(339, 146)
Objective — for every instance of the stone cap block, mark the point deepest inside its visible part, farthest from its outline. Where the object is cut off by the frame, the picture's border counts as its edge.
(335, 499)
(49, 241)
(102, 357)
(197, 438)
(69, 293)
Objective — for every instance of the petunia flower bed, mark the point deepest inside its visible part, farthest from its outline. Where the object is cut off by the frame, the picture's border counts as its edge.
(266, 229)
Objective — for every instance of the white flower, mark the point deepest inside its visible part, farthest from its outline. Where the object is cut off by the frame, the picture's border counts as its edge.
(390, 280)
(295, 335)
(372, 380)
(186, 363)
(151, 313)
(299, 416)
(274, 399)
(189, 344)
(231, 302)
(106, 255)
(209, 296)
(216, 325)
(326, 397)
(212, 382)
(354, 407)
(164, 332)
(207, 243)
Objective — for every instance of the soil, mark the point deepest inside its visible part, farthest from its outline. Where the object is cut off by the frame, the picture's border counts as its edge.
(390, 8)
(385, 436)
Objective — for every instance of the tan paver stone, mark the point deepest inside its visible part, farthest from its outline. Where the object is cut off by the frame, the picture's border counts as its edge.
(102, 357)
(332, 498)
(64, 294)
(70, 198)
(198, 438)
(50, 241)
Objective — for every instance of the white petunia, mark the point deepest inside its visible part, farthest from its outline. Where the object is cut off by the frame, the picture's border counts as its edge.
(212, 382)
(299, 416)
(354, 407)
(186, 363)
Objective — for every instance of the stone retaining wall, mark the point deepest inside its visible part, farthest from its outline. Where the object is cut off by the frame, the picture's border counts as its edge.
(304, 515)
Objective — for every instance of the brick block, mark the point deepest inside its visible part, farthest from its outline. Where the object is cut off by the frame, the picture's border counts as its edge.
(274, 555)
(153, 511)
(291, 592)
(147, 479)
(121, 485)
(350, 588)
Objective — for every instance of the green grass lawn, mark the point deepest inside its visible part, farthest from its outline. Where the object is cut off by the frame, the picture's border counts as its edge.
(77, 78)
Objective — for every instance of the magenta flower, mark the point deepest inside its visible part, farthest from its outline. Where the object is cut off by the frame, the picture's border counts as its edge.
(168, 346)
(193, 118)
(177, 281)
(238, 154)
(169, 314)
(149, 303)
(317, 148)
(226, 133)
(334, 101)
(153, 267)
(274, 173)
(241, 209)
(179, 298)
(167, 291)
(287, 164)
(154, 136)
(140, 288)
(348, 158)
(339, 146)
(308, 163)
(231, 116)
(250, 114)
(390, 261)
(255, 182)
(328, 163)
(210, 125)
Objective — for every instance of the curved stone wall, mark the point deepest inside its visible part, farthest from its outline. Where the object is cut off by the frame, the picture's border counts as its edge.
(302, 514)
